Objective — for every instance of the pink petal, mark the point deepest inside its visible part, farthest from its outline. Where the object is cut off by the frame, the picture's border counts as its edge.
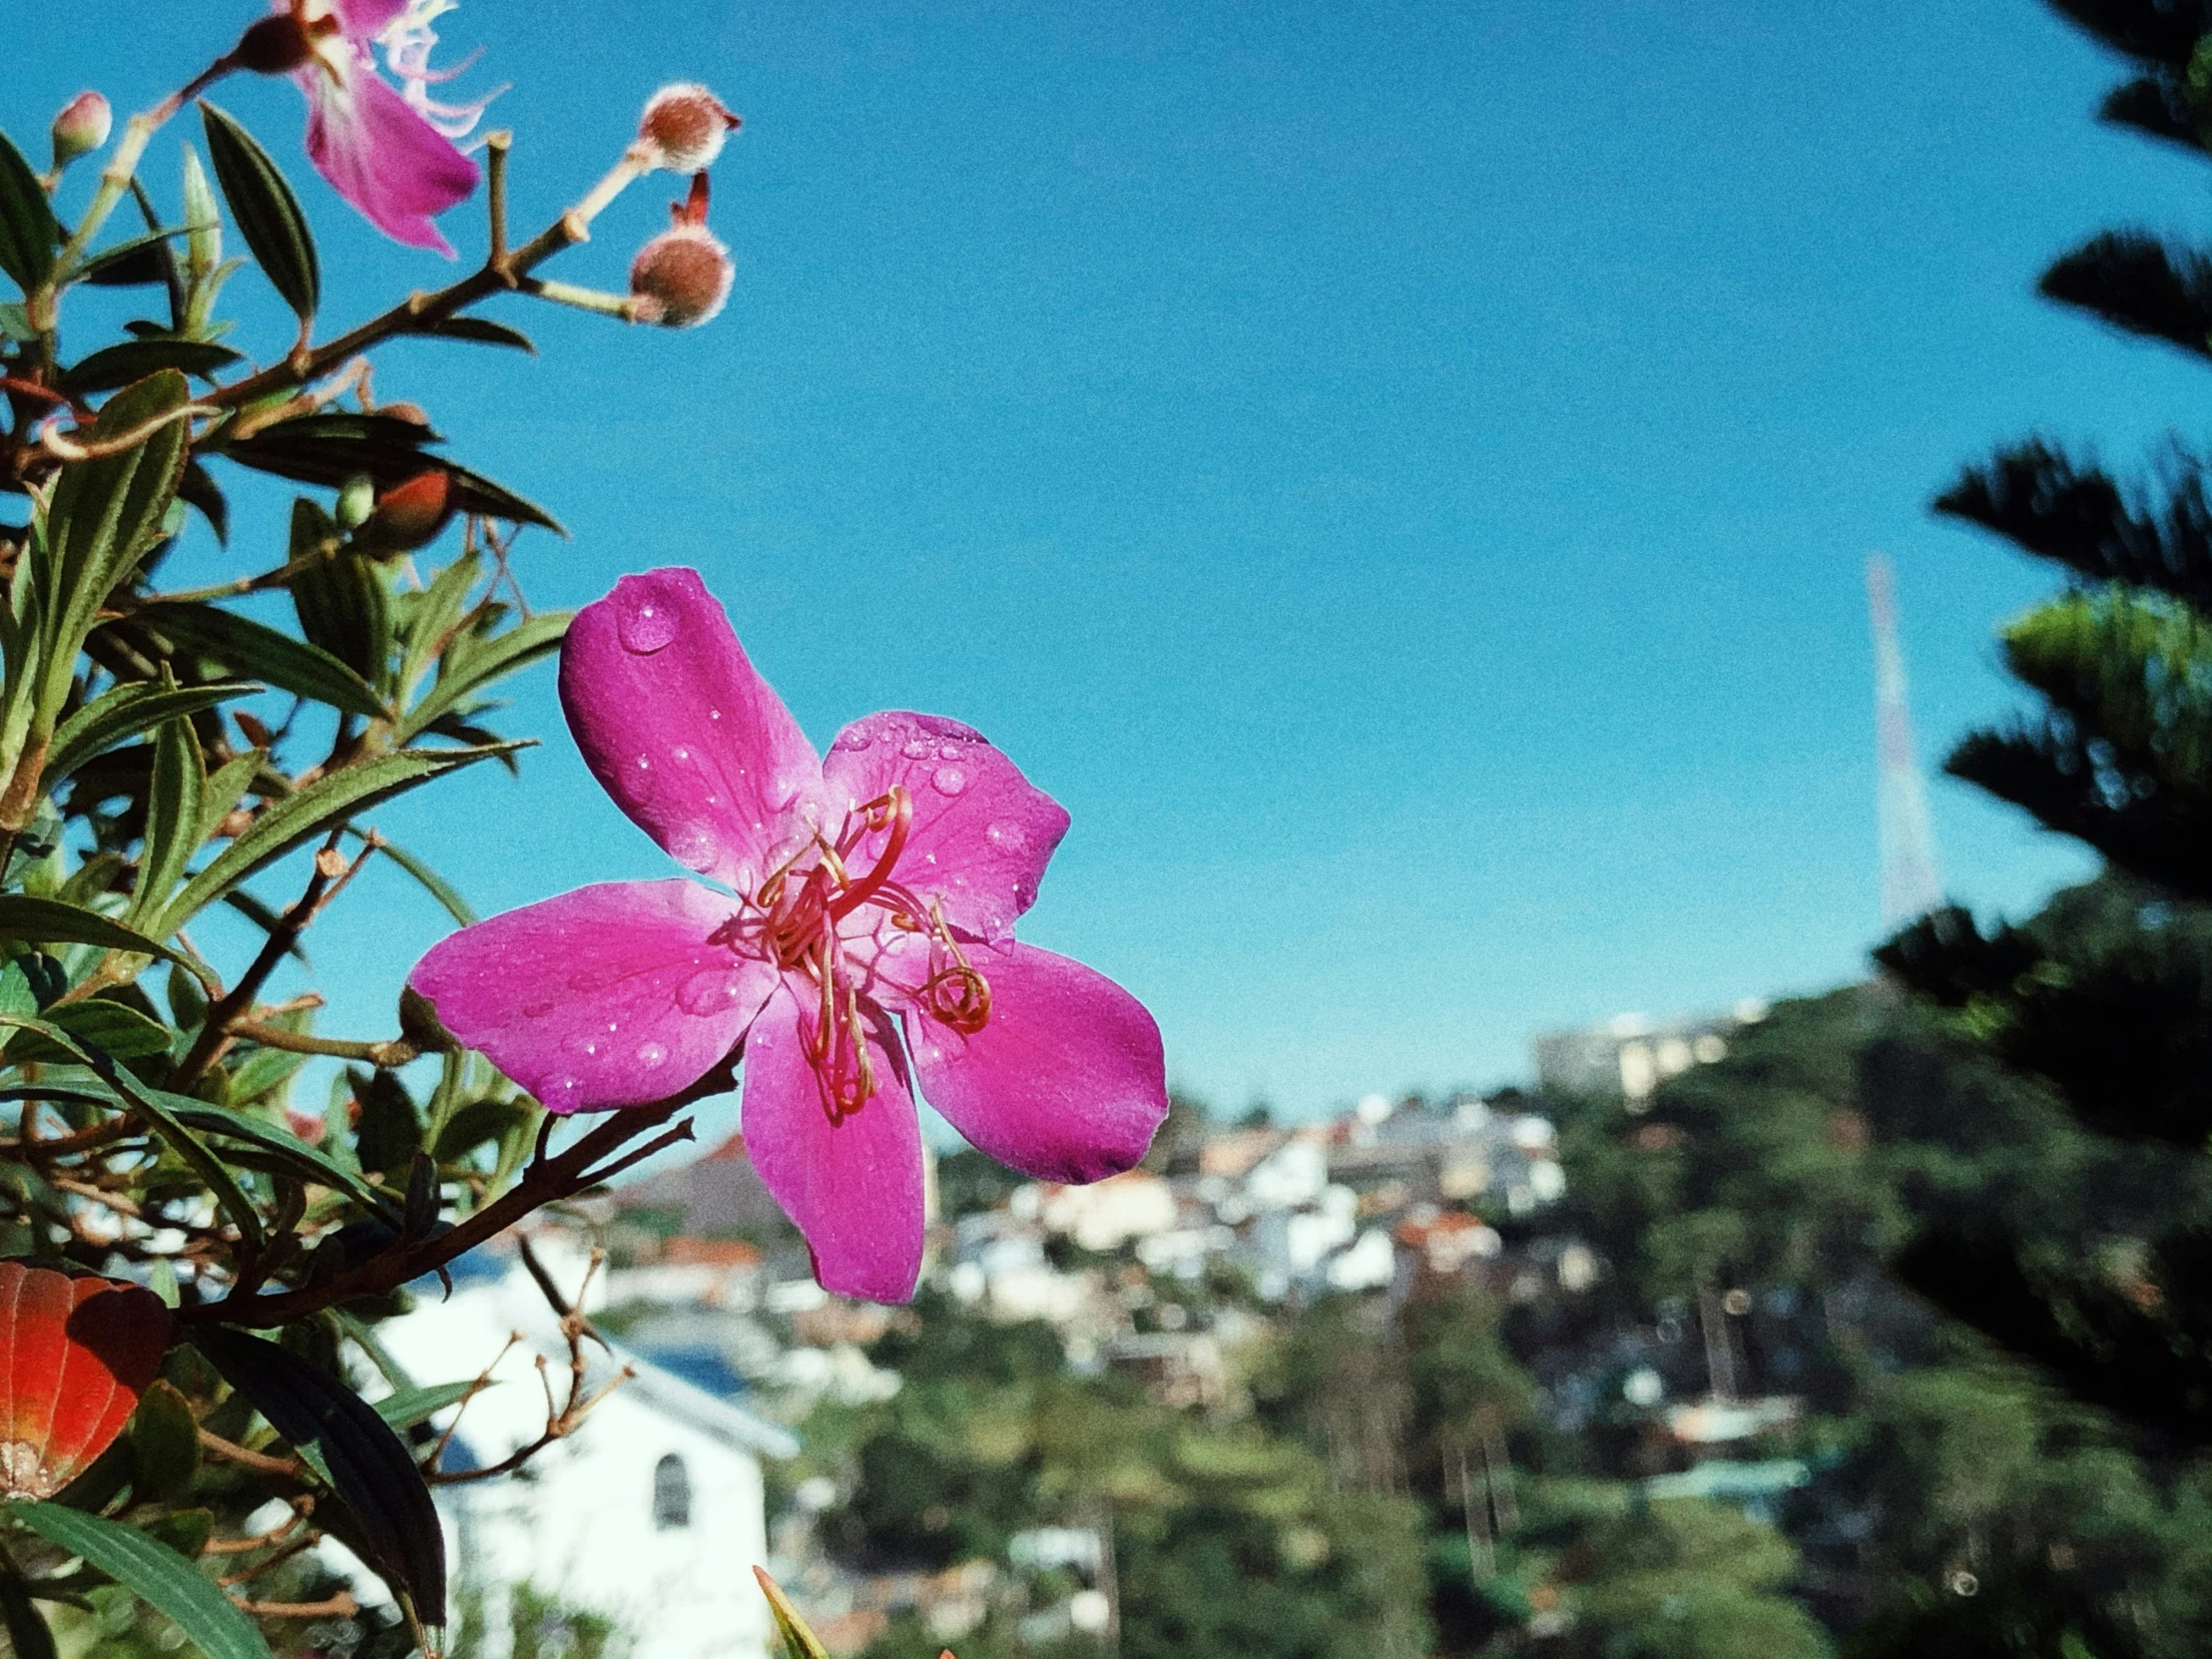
(378, 153)
(367, 19)
(610, 996)
(852, 1188)
(1066, 1082)
(678, 728)
(981, 833)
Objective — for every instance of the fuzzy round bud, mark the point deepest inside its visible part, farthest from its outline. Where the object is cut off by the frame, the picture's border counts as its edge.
(81, 128)
(684, 126)
(275, 46)
(356, 500)
(411, 512)
(681, 278)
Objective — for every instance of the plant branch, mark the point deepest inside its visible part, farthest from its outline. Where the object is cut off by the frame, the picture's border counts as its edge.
(546, 1180)
(420, 312)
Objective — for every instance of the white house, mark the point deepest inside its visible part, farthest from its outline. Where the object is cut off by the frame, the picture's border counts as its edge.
(652, 1512)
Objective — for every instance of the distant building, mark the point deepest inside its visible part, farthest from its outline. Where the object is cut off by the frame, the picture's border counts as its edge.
(648, 1514)
(1630, 1055)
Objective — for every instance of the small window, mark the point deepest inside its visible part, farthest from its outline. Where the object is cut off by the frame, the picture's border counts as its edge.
(671, 1494)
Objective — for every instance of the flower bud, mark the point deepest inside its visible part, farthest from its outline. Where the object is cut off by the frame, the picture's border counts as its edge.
(275, 46)
(82, 127)
(356, 500)
(411, 512)
(681, 278)
(684, 126)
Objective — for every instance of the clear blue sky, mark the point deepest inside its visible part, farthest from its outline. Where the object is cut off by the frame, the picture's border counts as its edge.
(1400, 474)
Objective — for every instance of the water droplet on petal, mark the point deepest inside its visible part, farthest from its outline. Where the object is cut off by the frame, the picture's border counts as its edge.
(652, 1055)
(1010, 837)
(948, 779)
(644, 763)
(914, 748)
(563, 1092)
(714, 714)
(644, 622)
(694, 846)
(948, 752)
(681, 754)
(712, 992)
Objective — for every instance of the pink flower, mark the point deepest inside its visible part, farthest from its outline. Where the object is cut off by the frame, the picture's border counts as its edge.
(866, 941)
(377, 150)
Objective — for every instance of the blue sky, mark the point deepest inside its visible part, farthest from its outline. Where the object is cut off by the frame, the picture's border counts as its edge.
(1399, 474)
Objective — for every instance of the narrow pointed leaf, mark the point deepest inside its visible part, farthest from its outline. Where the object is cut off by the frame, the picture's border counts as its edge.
(155, 1573)
(108, 1026)
(50, 921)
(106, 514)
(483, 331)
(370, 1467)
(315, 811)
(242, 646)
(119, 365)
(198, 489)
(282, 1146)
(412, 1406)
(798, 1641)
(485, 664)
(148, 1104)
(436, 616)
(226, 787)
(27, 233)
(340, 600)
(173, 816)
(136, 262)
(124, 712)
(265, 212)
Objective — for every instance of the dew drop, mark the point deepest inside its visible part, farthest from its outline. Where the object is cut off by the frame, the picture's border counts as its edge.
(948, 779)
(645, 622)
(948, 752)
(694, 846)
(714, 714)
(651, 1055)
(916, 749)
(561, 1096)
(591, 1048)
(712, 992)
(1010, 837)
(681, 754)
(644, 763)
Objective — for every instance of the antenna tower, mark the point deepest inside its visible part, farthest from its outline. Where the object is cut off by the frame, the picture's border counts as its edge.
(1910, 888)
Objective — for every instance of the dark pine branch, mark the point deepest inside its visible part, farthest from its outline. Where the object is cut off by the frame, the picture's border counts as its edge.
(2037, 498)
(2157, 31)
(2140, 285)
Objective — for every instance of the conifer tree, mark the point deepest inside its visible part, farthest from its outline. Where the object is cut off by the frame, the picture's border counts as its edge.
(2106, 999)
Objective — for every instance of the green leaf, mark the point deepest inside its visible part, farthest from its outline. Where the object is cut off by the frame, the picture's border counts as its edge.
(798, 1641)
(124, 712)
(165, 1444)
(157, 1575)
(198, 488)
(483, 331)
(475, 494)
(340, 602)
(282, 1146)
(436, 614)
(246, 647)
(370, 1467)
(111, 1028)
(226, 787)
(106, 513)
(137, 263)
(27, 233)
(172, 818)
(465, 673)
(315, 811)
(119, 365)
(205, 270)
(50, 921)
(147, 1103)
(265, 210)
(412, 1406)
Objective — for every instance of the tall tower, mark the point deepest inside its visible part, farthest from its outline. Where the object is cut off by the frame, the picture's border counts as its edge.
(1910, 888)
